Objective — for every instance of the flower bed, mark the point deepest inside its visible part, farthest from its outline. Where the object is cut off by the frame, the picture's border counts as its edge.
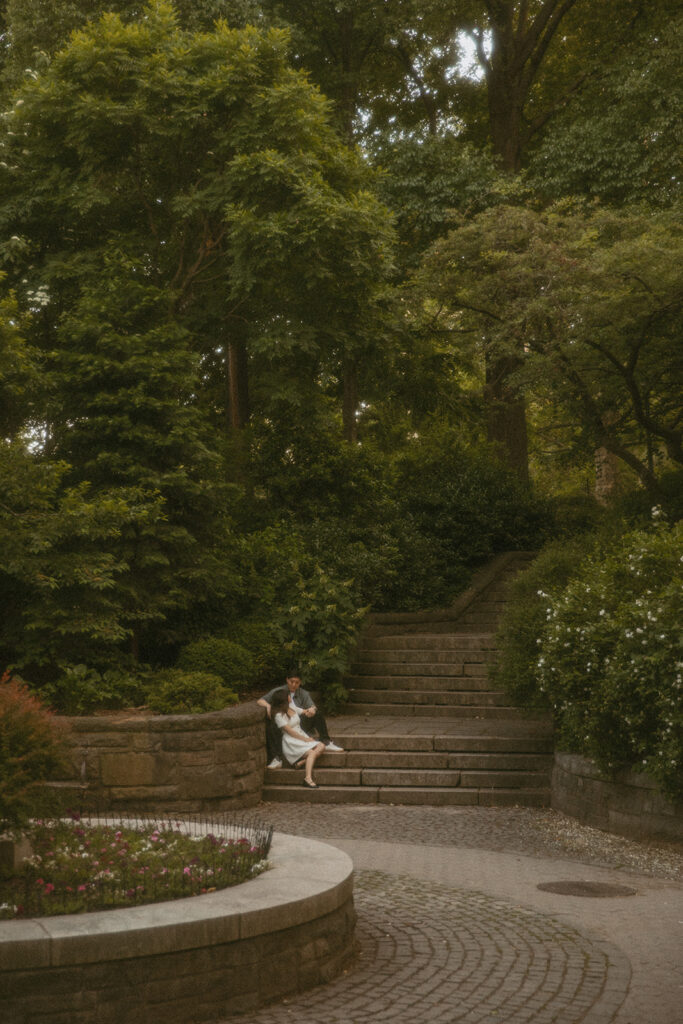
(189, 960)
(81, 865)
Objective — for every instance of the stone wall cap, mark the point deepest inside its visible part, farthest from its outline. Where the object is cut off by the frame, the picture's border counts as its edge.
(237, 714)
(307, 879)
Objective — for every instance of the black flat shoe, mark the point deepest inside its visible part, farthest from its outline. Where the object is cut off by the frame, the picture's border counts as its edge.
(310, 785)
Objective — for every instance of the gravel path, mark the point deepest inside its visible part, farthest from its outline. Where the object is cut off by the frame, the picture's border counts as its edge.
(530, 831)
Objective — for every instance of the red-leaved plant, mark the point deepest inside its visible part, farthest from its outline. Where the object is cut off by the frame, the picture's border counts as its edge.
(33, 748)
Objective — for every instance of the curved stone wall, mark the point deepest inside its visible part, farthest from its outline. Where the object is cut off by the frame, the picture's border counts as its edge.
(198, 959)
(169, 763)
(631, 806)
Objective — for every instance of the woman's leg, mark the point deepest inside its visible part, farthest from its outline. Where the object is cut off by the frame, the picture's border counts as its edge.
(312, 756)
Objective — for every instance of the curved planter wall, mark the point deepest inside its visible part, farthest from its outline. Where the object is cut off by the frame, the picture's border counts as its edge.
(631, 806)
(170, 763)
(197, 959)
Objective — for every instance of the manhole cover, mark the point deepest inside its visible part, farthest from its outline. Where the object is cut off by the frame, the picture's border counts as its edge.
(586, 889)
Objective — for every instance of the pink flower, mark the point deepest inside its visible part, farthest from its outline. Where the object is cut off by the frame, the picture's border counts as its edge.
(49, 887)
(82, 888)
(186, 871)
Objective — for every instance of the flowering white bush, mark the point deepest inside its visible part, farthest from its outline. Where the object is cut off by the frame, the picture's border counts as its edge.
(609, 656)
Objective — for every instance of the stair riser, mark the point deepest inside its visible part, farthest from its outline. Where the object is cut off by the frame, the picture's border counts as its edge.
(424, 642)
(423, 684)
(405, 777)
(429, 711)
(398, 746)
(455, 660)
(416, 668)
(435, 699)
(452, 762)
(421, 797)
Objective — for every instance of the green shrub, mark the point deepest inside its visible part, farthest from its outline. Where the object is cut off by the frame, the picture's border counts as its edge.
(465, 503)
(80, 690)
(610, 657)
(321, 624)
(264, 643)
(217, 656)
(524, 618)
(33, 748)
(174, 692)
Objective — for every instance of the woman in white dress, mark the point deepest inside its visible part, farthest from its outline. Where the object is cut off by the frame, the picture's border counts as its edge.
(298, 748)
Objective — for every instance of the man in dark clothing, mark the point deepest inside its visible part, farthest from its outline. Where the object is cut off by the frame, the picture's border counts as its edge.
(312, 719)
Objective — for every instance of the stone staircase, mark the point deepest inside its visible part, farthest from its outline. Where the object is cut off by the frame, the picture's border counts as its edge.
(423, 724)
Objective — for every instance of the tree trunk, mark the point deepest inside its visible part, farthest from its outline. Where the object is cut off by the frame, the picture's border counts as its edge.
(238, 385)
(350, 400)
(518, 48)
(606, 476)
(506, 415)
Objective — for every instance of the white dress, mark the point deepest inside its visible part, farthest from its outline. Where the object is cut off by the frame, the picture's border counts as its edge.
(292, 748)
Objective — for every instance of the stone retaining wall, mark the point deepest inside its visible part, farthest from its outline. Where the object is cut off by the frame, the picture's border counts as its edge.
(191, 960)
(631, 806)
(169, 763)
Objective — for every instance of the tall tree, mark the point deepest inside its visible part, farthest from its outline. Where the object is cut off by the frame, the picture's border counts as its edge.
(218, 172)
(593, 298)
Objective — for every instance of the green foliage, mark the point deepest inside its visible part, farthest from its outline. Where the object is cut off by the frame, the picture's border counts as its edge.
(215, 655)
(32, 750)
(525, 617)
(173, 691)
(464, 503)
(620, 139)
(264, 644)
(588, 301)
(610, 657)
(79, 690)
(593, 631)
(319, 622)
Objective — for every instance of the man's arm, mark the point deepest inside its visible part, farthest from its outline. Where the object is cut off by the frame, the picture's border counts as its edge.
(304, 701)
(264, 702)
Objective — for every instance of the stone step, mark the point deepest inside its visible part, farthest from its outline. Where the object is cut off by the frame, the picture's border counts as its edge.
(424, 760)
(415, 668)
(445, 710)
(425, 796)
(455, 660)
(403, 777)
(398, 640)
(525, 743)
(425, 684)
(436, 698)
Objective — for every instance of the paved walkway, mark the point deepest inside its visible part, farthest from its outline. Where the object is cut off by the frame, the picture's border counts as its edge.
(453, 928)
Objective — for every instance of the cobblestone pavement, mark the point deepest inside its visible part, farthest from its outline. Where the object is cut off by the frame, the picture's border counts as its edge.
(436, 954)
(436, 949)
(530, 831)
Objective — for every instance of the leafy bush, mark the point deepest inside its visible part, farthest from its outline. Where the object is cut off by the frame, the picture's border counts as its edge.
(524, 618)
(264, 643)
(465, 503)
(592, 631)
(321, 625)
(217, 656)
(80, 689)
(610, 657)
(32, 749)
(174, 692)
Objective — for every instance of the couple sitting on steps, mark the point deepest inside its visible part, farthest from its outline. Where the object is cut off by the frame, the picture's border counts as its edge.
(292, 718)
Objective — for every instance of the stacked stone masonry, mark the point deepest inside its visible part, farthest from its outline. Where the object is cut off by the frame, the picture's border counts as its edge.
(630, 806)
(188, 961)
(169, 764)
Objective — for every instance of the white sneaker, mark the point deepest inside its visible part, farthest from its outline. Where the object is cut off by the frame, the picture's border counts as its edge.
(332, 746)
(275, 763)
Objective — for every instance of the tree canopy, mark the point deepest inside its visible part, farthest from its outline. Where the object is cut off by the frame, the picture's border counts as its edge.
(294, 294)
